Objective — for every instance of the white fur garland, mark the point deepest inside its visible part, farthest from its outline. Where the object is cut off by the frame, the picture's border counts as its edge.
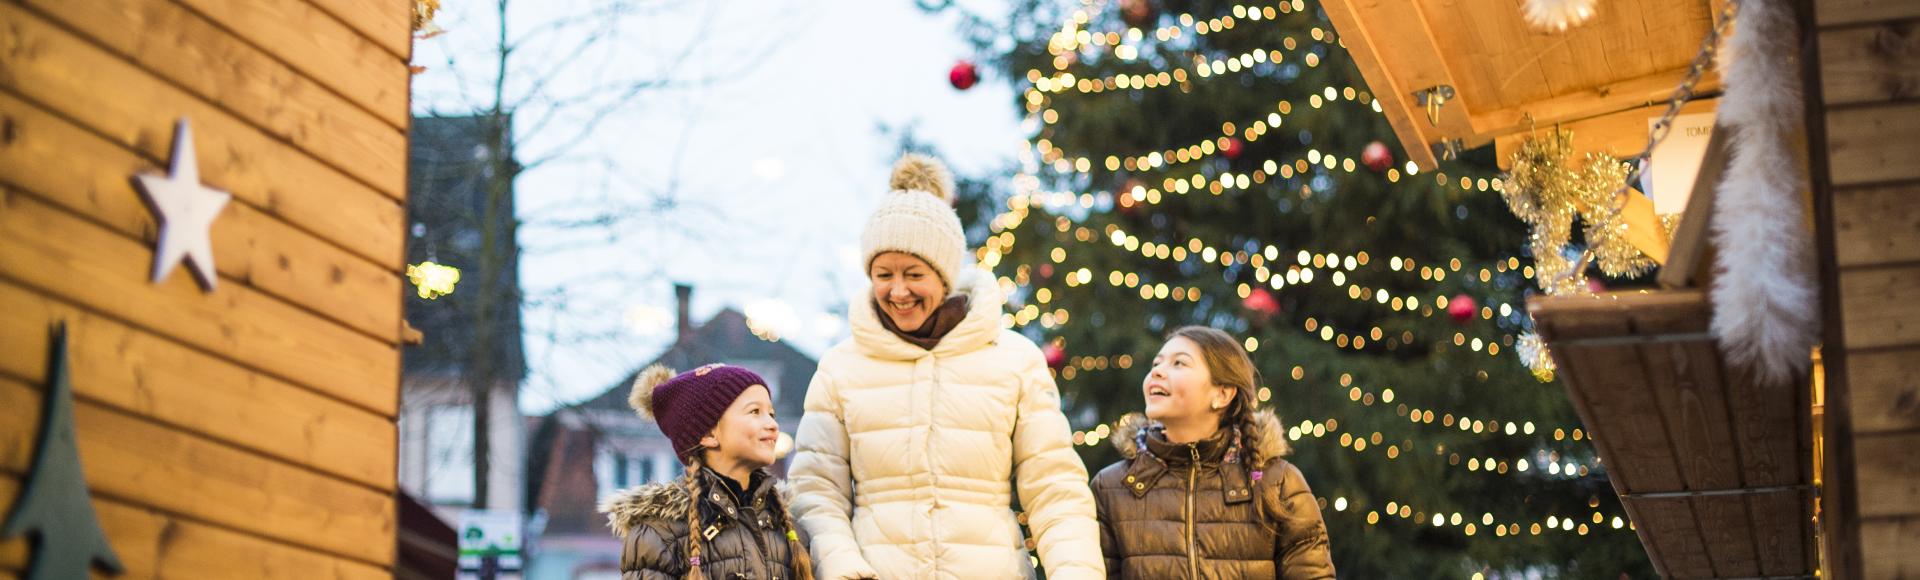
(1766, 309)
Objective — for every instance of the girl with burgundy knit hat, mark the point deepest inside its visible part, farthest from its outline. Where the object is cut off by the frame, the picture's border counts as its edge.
(725, 519)
(920, 429)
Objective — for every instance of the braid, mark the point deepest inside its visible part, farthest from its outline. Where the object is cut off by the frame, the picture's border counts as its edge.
(802, 562)
(693, 521)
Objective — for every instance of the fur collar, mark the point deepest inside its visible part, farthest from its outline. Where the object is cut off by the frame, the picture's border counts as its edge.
(633, 507)
(1273, 437)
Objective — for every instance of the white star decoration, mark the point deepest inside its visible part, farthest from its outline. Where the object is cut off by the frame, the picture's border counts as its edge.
(185, 210)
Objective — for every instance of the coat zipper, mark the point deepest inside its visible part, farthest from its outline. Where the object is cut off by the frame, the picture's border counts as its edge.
(1193, 477)
(760, 533)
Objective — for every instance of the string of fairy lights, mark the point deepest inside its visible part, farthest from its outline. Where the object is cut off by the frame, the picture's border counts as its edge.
(1072, 38)
(1250, 130)
(1264, 262)
(1395, 509)
(1303, 273)
(1366, 397)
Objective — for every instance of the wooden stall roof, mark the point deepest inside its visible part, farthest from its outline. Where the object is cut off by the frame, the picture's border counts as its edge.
(1712, 466)
(1503, 72)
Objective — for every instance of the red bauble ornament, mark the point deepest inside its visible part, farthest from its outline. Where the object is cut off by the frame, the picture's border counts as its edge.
(1056, 356)
(1139, 13)
(1232, 148)
(1462, 308)
(964, 75)
(1595, 286)
(1377, 157)
(1261, 301)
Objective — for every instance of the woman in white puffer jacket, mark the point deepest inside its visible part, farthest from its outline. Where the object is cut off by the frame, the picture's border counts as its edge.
(920, 429)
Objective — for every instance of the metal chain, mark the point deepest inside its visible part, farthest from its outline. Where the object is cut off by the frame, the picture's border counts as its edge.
(1708, 48)
(1681, 94)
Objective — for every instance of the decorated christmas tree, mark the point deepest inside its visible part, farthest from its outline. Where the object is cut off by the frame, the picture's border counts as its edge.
(1199, 162)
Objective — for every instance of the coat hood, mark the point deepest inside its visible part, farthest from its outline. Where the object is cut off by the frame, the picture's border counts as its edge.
(667, 501)
(1273, 438)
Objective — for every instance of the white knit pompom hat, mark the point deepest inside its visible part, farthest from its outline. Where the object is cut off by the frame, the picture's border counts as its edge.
(918, 218)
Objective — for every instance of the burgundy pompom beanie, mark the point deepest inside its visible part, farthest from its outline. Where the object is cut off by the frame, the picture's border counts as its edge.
(687, 406)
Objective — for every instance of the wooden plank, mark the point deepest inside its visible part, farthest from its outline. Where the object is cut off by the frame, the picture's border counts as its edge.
(385, 22)
(1603, 100)
(1886, 547)
(150, 376)
(154, 544)
(1374, 51)
(1877, 306)
(1839, 12)
(60, 254)
(1624, 414)
(180, 46)
(1876, 224)
(87, 175)
(1619, 134)
(1888, 478)
(1870, 64)
(1885, 386)
(1585, 316)
(1487, 46)
(1783, 533)
(1684, 378)
(1672, 525)
(1874, 144)
(1767, 420)
(1603, 382)
(321, 47)
(67, 76)
(143, 463)
(1769, 424)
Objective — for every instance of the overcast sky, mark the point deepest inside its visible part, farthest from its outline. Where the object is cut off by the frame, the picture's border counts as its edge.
(775, 164)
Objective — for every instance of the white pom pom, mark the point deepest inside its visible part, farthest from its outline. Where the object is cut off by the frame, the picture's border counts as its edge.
(641, 399)
(1557, 15)
(916, 172)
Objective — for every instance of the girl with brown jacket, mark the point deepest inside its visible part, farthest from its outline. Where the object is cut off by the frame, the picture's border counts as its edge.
(725, 519)
(1203, 491)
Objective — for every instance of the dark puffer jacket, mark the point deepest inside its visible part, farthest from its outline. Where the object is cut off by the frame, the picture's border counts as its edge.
(1189, 510)
(743, 537)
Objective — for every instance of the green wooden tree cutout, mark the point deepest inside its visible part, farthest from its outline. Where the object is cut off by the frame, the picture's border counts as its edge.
(54, 508)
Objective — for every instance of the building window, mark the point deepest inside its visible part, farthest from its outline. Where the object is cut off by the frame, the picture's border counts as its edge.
(622, 476)
(449, 454)
(643, 469)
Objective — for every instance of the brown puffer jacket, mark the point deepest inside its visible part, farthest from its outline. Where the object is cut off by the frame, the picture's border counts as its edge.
(1189, 510)
(745, 538)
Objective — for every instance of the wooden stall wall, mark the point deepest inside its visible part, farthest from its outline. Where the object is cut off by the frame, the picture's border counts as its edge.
(246, 432)
(1865, 130)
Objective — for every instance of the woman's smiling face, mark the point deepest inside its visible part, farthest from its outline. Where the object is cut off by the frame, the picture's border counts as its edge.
(906, 288)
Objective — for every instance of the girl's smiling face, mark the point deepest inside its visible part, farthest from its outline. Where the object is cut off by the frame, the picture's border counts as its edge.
(746, 433)
(1180, 387)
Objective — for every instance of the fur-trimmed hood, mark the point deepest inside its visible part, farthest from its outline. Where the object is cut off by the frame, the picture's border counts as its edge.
(1273, 437)
(635, 506)
(629, 508)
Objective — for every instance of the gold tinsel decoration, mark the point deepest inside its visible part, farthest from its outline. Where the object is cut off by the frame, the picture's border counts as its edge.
(423, 11)
(1547, 191)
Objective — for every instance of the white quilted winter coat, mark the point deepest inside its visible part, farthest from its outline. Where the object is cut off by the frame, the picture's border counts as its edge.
(908, 459)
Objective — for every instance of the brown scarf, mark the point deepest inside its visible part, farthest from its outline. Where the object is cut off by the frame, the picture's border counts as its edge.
(944, 319)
